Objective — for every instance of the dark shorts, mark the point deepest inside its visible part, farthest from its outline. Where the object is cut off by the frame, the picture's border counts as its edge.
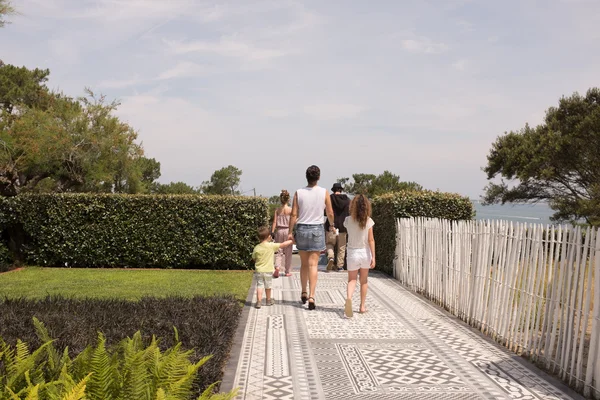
(310, 237)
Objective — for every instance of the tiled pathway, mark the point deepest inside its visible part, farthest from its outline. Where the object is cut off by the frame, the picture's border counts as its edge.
(402, 348)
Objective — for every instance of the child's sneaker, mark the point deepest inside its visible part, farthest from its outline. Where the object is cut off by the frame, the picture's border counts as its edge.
(270, 302)
(276, 273)
(258, 304)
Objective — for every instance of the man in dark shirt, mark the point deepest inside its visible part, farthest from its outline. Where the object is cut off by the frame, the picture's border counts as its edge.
(341, 209)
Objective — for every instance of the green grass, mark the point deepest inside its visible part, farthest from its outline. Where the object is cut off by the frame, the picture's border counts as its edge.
(128, 284)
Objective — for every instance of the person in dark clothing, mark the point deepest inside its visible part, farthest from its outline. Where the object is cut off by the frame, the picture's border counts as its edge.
(341, 209)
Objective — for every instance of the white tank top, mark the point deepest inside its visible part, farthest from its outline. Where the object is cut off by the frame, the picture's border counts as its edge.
(311, 205)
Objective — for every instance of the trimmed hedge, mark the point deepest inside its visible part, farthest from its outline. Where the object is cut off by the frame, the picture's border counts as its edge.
(388, 207)
(205, 325)
(5, 257)
(160, 231)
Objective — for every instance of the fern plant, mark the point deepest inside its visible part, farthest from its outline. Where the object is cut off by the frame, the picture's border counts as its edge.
(129, 371)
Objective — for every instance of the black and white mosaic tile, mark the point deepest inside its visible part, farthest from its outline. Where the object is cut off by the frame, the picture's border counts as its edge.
(402, 348)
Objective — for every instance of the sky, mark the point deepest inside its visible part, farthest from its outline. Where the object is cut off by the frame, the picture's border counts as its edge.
(419, 88)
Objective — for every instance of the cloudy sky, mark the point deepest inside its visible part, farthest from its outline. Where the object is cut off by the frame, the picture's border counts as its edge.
(421, 88)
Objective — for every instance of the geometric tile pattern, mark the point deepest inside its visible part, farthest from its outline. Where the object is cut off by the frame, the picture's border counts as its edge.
(277, 363)
(402, 348)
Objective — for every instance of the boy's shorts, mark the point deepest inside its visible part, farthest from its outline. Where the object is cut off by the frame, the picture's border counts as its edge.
(263, 279)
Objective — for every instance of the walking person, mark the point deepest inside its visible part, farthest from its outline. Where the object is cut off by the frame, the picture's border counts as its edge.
(341, 209)
(307, 216)
(361, 250)
(263, 256)
(281, 228)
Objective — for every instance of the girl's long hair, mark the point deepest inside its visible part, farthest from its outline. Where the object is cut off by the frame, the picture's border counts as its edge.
(360, 210)
(284, 197)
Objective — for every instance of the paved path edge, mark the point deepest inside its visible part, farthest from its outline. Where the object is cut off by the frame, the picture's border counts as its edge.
(238, 340)
(560, 384)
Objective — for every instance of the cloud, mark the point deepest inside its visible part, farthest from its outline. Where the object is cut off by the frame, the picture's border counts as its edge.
(423, 45)
(289, 68)
(276, 113)
(465, 26)
(226, 47)
(120, 83)
(115, 10)
(460, 65)
(333, 111)
(64, 50)
(183, 70)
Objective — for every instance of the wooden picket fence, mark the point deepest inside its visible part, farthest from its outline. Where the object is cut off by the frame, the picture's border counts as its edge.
(533, 288)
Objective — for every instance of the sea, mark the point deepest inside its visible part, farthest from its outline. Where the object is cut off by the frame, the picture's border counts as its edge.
(532, 213)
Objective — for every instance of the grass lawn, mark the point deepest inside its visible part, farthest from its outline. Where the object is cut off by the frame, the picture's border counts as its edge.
(127, 284)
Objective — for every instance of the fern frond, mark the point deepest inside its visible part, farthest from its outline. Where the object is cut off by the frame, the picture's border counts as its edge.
(101, 385)
(23, 362)
(167, 364)
(160, 394)
(33, 393)
(78, 391)
(65, 360)
(209, 395)
(176, 335)
(182, 387)
(53, 355)
(79, 365)
(13, 395)
(135, 382)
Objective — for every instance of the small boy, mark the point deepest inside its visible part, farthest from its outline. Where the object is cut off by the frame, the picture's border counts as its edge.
(264, 258)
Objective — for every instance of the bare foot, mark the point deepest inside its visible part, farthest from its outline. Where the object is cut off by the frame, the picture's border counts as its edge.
(363, 309)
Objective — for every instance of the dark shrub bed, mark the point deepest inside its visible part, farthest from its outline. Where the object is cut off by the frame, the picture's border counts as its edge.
(205, 324)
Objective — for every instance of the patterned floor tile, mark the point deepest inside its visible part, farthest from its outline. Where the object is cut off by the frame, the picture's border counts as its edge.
(402, 348)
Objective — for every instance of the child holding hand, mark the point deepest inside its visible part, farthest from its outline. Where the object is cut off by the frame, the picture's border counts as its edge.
(264, 258)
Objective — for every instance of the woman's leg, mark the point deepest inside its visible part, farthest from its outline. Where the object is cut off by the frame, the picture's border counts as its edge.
(364, 286)
(287, 252)
(303, 269)
(352, 275)
(281, 236)
(279, 256)
(313, 271)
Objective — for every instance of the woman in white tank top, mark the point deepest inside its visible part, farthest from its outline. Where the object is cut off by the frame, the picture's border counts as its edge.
(307, 216)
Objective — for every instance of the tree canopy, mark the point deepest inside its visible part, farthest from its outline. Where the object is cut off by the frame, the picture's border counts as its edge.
(6, 9)
(557, 161)
(223, 181)
(174, 188)
(373, 185)
(51, 142)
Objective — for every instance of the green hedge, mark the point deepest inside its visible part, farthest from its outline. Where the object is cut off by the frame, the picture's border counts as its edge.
(387, 208)
(5, 257)
(160, 231)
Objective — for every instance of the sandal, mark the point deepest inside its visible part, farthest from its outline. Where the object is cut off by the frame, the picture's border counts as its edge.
(311, 304)
(348, 308)
(303, 297)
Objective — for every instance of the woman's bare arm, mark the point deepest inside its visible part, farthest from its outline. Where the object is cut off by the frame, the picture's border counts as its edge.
(293, 217)
(329, 211)
(372, 247)
(274, 221)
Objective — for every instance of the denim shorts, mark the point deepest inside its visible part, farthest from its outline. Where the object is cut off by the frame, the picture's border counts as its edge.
(310, 237)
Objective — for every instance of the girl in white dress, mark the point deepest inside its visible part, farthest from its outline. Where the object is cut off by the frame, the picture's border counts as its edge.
(361, 250)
